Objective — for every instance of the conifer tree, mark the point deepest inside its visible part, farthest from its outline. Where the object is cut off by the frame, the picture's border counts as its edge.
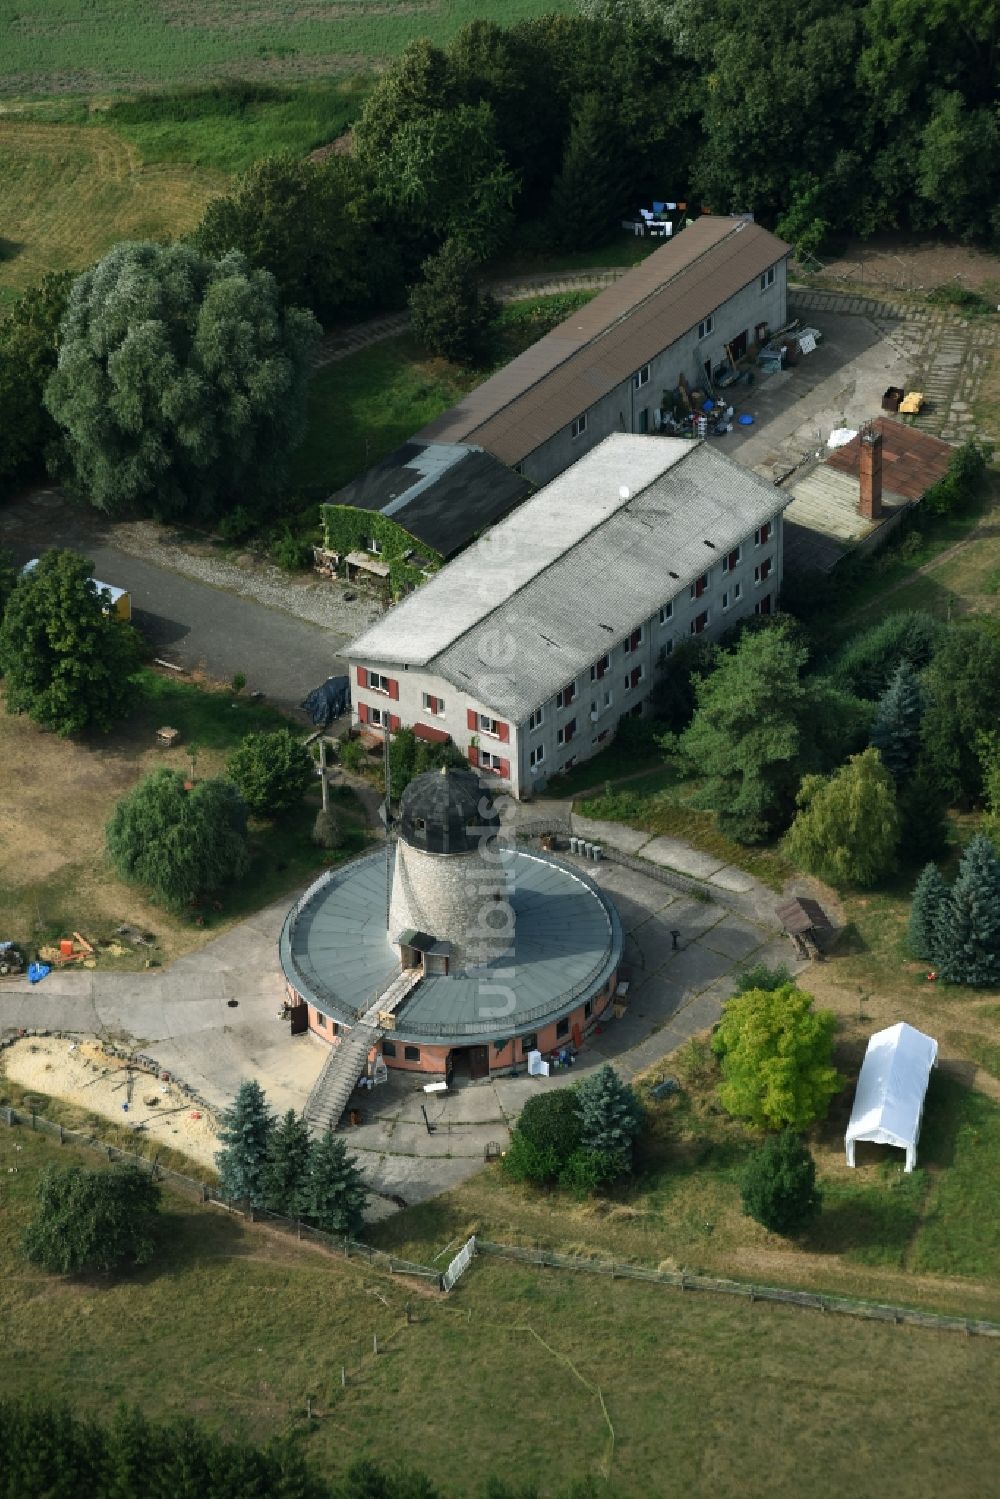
(286, 1170)
(335, 1194)
(778, 1185)
(968, 934)
(610, 1117)
(896, 730)
(246, 1130)
(592, 190)
(930, 896)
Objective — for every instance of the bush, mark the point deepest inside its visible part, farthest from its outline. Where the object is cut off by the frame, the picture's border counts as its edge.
(778, 1186)
(776, 1056)
(868, 663)
(271, 770)
(291, 552)
(328, 831)
(182, 844)
(587, 1171)
(92, 1220)
(449, 313)
(352, 755)
(546, 1135)
(761, 976)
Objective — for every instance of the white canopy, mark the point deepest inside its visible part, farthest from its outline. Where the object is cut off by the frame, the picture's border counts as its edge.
(889, 1102)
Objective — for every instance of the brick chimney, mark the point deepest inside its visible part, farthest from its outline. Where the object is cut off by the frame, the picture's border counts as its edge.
(870, 503)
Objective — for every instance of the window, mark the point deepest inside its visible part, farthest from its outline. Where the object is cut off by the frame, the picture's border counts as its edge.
(641, 377)
(562, 1028)
(536, 756)
(378, 683)
(536, 719)
(706, 327)
(767, 279)
(411, 1053)
(566, 696)
(763, 606)
(634, 641)
(598, 670)
(388, 1048)
(666, 649)
(433, 704)
(528, 1043)
(566, 733)
(731, 595)
(578, 426)
(569, 762)
(763, 572)
(732, 560)
(666, 613)
(762, 535)
(489, 761)
(698, 586)
(588, 1009)
(609, 698)
(420, 824)
(488, 725)
(378, 718)
(699, 623)
(633, 678)
(374, 546)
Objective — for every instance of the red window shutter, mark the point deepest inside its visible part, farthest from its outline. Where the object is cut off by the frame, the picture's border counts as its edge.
(393, 688)
(634, 638)
(503, 729)
(699, 588)
(362, 713)
(472, 719)
(362, 676)
(570, 730)
(432, 704)
(394, 723)
(473, 755)
(505, 769)
(734, 558)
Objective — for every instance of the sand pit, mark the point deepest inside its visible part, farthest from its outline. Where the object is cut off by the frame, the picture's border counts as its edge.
(85, 1075)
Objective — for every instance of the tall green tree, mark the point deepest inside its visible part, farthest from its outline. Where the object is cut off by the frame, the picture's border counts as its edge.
(594, 187)
(181, 381)
(930, 899)
(419, 83)
(335, 1192)
(776, 1056)
(286, 1170)
(449, 312)
(65, 655)
(245, 1134)
(896, 730)
(967, 940)
(29, 345)
(869, 661)
(546, 1135)
(962, 684)
(181, 843)
(778, 1185)
(9, 574)
(92, 1220)
(272, 770)
(847, 828)
(610, 1118)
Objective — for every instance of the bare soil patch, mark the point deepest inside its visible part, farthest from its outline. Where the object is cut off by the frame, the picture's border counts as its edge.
(902, 265)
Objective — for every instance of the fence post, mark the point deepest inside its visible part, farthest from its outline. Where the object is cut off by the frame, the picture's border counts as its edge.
(33, 1124)
(60, 1134)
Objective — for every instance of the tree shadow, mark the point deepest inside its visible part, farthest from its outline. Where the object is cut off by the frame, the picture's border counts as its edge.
(10, 249)
(874, 1224)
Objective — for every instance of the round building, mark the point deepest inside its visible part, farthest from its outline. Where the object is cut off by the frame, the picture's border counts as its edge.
(464, 952)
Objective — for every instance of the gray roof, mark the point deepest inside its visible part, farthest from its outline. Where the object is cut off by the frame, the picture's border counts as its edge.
(567, 943)
(600, 345)
(574, 570)
(447, 812)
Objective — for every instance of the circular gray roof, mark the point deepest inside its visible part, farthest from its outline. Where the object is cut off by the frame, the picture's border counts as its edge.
(447, 812)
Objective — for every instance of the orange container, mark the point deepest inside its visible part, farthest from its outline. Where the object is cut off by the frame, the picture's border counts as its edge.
(66, 947)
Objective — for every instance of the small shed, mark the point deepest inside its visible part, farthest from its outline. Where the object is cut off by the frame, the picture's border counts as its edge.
(806, 923)
(889, 1101)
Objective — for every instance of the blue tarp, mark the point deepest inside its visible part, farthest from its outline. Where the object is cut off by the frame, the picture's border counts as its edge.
(37, 971)
(328, 702)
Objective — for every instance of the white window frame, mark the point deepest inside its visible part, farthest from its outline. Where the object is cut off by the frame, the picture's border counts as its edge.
(707, 326)
(578, 426)
(378, 683)
(437, 712)
(630, 686)
(605, 661)
(733, 551)
(667, 648)
(693, 593)
(627, 645)
(562, 701)
(767, 280)
(763, 534)
(535, 756)
(708, 621)
(536, 719)
(641, 377)
(759, 575)
(561, 736)
(609, 698)
(666, 612)
(488, 726)
(374, 546)
(490, 760)
(378, 718)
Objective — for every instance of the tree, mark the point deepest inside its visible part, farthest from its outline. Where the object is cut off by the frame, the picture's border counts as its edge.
(448, 310)
(610, 1118)
(775, 1053)
(759, 725)
(544, 1138)
(9, 574)
(963, 702)
(896, 730)
(29, 341)
(847, 828)
(181, 380)
(778, 1185)
(593, 189)
(335, 1193)
(410, 756)
(245, 1135)
(92, 1220)
(967, 938)
(271, 770)
(309, 224)
(923, 817)
(419, 83)
(286, 1169)
(867, 664)
(65, 654)
(181, 843)
(930, 897)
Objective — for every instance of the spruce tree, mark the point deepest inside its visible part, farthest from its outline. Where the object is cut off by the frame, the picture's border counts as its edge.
(286, 1170)
(246, 1130)
(592, 190)
(335, 1194)
(896, 730)
(610, 1118)
(968, 935)
(778, 1185)
(930, 897)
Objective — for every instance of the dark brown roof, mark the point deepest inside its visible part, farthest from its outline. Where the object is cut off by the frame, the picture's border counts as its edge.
(911, 460)
(602, 344)
(803, 915)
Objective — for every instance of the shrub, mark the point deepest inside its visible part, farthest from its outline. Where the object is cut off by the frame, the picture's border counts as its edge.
(291, 552)
(778, 1185)
(92, 1220)
(271, 770)
(352, 754)
(544, 1138)
(776, 1056)
(449, 312)
(180, 843)
(587, 1171)
(328, 831)
(761, 976)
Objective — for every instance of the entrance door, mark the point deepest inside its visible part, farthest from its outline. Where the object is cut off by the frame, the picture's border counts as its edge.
(299, 1019)
(479, 1062)
(738, 346)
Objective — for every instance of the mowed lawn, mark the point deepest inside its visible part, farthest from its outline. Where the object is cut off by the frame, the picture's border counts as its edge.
(73, 46)
(70, 192)
(703, 1395)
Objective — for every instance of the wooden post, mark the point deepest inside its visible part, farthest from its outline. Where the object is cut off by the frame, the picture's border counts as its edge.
(324, 788)
(343, 1377)
(375, 1343)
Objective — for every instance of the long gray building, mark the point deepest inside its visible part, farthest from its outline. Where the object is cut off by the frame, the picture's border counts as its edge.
(705, 296)
(530, 647)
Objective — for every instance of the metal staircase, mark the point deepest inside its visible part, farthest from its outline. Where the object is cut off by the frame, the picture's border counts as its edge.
(346, 1062)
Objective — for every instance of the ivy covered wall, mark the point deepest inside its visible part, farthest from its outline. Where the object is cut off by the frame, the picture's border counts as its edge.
(348, 529)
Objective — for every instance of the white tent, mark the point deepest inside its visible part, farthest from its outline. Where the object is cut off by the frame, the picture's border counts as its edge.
(889, 1102)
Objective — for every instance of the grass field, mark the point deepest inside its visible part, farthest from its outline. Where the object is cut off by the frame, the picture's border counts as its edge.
(55, 878)
(73, 46)
(238, 1328)
(69, 193)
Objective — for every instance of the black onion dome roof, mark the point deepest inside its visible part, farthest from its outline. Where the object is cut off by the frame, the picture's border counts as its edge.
(447, 812)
